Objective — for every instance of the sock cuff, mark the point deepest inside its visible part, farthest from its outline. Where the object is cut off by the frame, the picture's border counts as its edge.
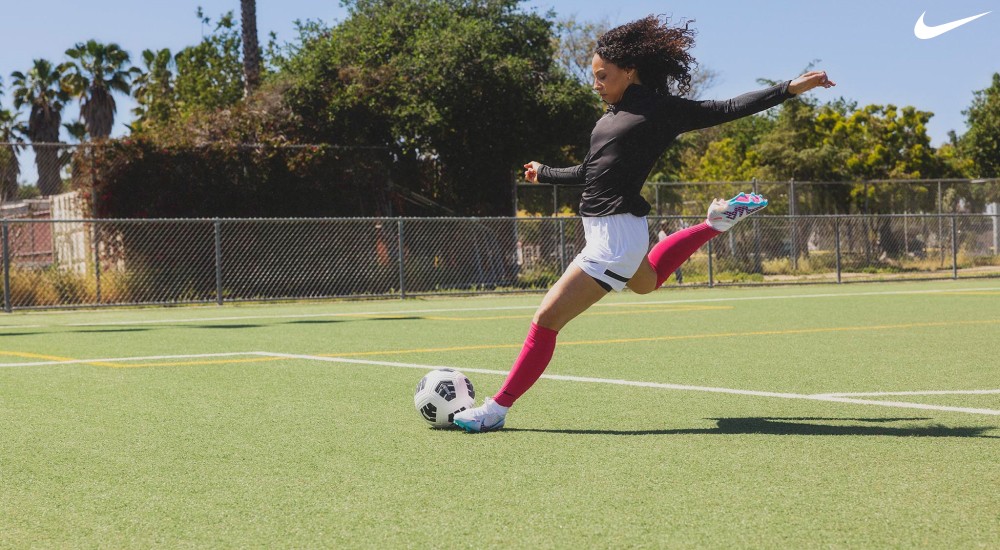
(708, 225)
(538, 329)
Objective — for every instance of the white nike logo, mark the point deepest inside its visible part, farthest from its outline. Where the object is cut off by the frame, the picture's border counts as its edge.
(924, 32)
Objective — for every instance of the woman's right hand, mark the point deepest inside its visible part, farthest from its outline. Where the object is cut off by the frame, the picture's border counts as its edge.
(531, 171)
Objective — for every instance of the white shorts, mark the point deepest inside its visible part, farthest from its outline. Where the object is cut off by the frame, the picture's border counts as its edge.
(615, 248)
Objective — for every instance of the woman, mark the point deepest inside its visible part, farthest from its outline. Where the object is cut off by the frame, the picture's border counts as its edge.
(633, 67)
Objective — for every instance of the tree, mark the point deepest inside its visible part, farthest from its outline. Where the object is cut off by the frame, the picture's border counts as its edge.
(575, 44)
(42, 89)
(11, 130)
(153, 89)
(251, 46)
(210, 74)
(461, 91)
(98, 71)
(981, 143)
(76, 130)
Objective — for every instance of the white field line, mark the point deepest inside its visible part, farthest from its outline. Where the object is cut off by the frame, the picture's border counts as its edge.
(929, 392)
(123, 359)
(515, 308)
(658, 385)
(633, 383)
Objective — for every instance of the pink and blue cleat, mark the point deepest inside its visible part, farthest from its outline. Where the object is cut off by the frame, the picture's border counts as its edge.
(487, 417)
(722, 215)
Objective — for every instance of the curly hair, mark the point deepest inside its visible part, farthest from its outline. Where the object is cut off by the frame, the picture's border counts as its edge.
(657, 50)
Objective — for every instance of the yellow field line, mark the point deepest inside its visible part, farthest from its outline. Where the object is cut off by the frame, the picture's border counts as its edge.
(587, 314)
(117, 365)
(27, 355)
(638, 309)
(972, 293)
(191, 363)
(671, 338)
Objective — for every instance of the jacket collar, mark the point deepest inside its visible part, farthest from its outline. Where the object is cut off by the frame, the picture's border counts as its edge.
(633, 93)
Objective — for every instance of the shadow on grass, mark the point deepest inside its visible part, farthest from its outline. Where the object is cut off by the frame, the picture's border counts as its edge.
(225, 327)
(394, 319)
(797, 426)
(109, 330)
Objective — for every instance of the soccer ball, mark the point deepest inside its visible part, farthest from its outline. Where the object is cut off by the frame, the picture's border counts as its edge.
(441, 394)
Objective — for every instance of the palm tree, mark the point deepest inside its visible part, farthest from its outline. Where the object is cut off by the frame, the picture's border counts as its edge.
(11, 143)
(153, 89)
(11, 130)
(43, 89)
(251, 47)
(99, 70)
(76, 130)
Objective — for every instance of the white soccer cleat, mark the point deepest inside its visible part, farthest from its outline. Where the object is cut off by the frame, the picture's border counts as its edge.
(722, 215)
(485, 418)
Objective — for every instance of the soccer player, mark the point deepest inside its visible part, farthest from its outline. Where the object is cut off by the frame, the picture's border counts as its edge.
(633, 68)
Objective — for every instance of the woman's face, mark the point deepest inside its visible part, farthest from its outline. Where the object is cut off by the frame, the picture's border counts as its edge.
(610, 80)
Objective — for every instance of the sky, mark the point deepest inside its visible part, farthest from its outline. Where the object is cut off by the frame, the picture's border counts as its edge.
(867, 47)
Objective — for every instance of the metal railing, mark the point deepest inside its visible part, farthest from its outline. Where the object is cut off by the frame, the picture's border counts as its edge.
(74, 263)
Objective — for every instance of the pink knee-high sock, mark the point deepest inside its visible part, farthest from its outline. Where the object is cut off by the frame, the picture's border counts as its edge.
(671, 252)
(534, 357)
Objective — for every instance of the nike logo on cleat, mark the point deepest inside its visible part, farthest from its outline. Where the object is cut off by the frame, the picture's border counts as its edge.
(740, 211)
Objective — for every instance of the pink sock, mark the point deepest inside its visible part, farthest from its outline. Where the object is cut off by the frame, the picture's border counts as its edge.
(534, 357)
(671, 252)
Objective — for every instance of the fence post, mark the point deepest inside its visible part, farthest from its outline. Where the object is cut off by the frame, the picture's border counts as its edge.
(555, 199)
(994, 209)
(6, 268)
(940, 201)
(757, 264)
(562, 244)
(95, 241)
(793, 246)
(515, 199)
(218, 261)
(954, 247)
(711, 276)
(402, 273)
(836, 240)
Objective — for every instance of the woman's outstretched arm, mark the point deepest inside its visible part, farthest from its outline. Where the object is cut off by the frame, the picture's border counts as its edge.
(690, 115)
(536, 172)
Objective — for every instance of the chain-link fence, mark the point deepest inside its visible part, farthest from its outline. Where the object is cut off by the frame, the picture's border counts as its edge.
(65, 263)
(788, 197)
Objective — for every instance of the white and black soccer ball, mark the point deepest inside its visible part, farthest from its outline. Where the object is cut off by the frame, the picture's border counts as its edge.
(441, 394)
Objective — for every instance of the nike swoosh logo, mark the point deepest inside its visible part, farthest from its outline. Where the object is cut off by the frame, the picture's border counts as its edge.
(925, 32)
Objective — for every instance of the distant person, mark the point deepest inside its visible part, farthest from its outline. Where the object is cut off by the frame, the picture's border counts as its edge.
(634, 67)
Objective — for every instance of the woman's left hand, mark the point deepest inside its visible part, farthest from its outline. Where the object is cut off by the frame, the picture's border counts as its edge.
(810, 80)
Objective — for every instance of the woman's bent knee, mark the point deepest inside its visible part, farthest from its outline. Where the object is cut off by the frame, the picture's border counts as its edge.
(642, 287)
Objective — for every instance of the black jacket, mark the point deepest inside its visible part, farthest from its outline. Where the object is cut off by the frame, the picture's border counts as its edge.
(634, 133)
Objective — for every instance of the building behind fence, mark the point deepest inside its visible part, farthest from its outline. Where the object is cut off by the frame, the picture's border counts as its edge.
(115, 262)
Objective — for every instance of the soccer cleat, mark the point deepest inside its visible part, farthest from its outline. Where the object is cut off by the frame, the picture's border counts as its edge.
(724, 214)
(487, 417)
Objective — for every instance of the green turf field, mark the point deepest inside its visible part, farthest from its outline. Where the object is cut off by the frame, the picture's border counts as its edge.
(116, 428)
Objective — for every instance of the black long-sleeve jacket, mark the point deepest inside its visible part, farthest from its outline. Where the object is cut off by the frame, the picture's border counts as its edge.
(634, 133)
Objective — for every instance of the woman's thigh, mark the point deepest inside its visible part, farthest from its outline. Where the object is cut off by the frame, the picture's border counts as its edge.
(572, 294)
